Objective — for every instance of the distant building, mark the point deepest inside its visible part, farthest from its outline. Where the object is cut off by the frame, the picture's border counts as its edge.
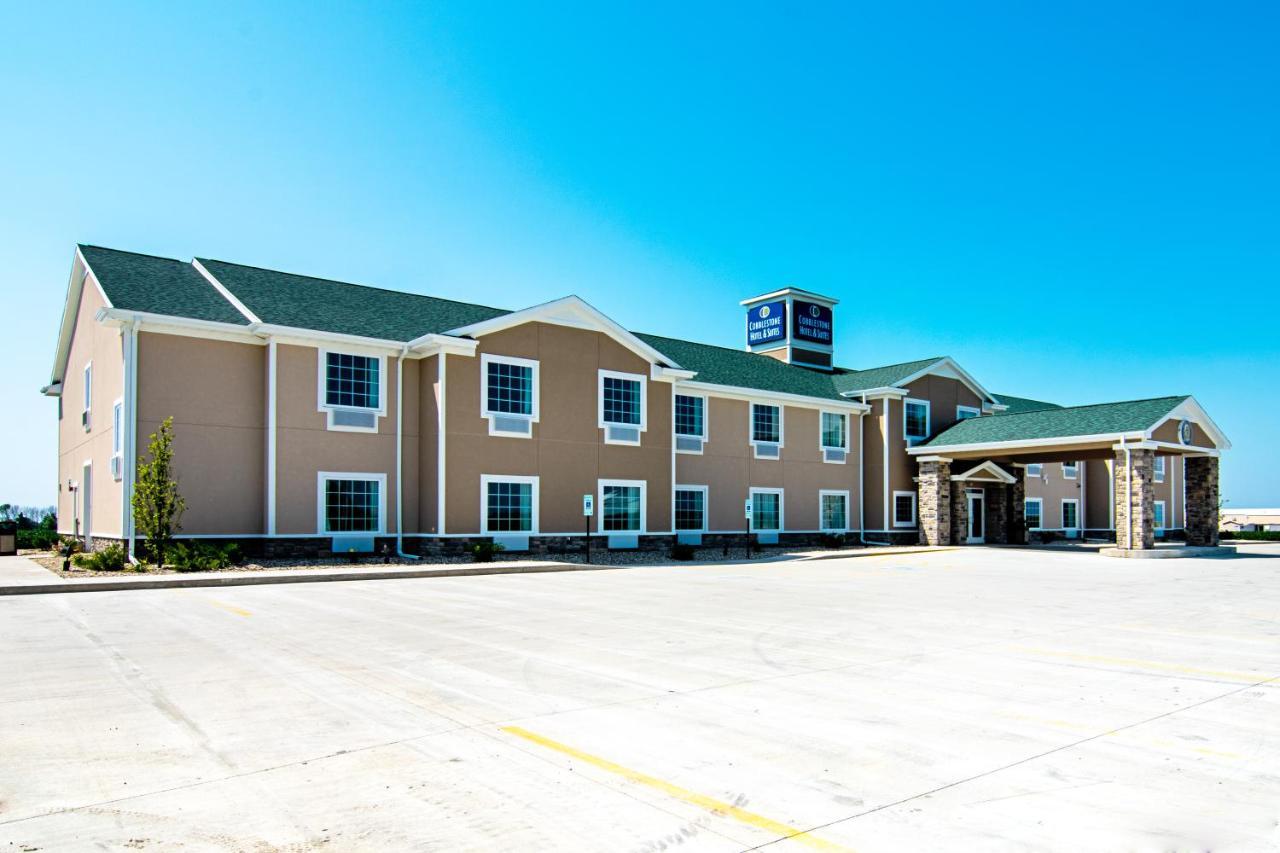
(1250, 519)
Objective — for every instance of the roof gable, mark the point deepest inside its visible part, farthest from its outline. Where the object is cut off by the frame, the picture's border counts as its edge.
(741, 369)
(1017, 405)
(1097, 419)
(851, 381)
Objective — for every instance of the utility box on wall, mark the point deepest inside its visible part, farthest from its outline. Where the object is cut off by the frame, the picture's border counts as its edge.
(8, 538)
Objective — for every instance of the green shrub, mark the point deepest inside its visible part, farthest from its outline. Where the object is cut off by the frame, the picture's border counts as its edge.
(1254, 535)
(682, 551)
(38, 537)
(834, 540)
(484, 552)
(196, 556)
(69, 546)
(109, 559)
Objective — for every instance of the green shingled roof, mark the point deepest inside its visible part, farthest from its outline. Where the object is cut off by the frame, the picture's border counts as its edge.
(742, 369)
(1017, 405)
(880, 377)
(1098, 419)
(158, 286)
(304, 302)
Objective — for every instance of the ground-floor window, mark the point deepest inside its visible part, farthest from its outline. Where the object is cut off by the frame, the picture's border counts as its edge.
(1033, 511)
(1070, 514)
(904, 509)
(766, 509)
(835, 510)
(352, 503)
(1159, 515)
(510, 504)
(691, 507)
(622, 505)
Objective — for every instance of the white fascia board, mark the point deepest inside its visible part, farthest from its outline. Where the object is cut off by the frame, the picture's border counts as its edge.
(1172, 448)
(70, 308)
(658, 373)
(806, 295)
(987, 467)
(312, 337)
(933, 459)
(180, 325)
(1026, 443)
(571, 311)
(881, 393)
(1191, 409)
(226, 294)
(757, 396)
(54, 389)
(964, 375)
(433, 343)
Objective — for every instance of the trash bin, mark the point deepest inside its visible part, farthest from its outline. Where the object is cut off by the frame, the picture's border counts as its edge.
(8, 538)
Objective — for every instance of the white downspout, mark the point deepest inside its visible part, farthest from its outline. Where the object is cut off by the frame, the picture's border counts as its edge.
(862, 477)
(130, 443)
(400, 457)
(441, 424)
(272, 355)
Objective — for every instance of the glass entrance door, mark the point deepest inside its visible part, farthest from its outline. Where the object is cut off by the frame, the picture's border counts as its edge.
(977, 517)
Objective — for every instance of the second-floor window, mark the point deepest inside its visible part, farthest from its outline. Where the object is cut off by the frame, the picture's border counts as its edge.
(966, 412)
(690, 423)
(915, 421)
(352, 381)
(1035, 469)
(1070, 470)
(622, 406)
(1160, 469)
(509, 397)
(766, 430)
(835, 431)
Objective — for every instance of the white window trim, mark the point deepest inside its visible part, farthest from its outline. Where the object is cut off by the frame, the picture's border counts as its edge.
(485, 480)
(706, 415)
(322, 405)
(847, 431)
(88, 396)
(977, 413)
(1062, 517)
(706, 507)
(381, 479)
(1039, 466)
(535, 377)
(1075, 467)
(911, 440)
(1159, 467)
(644, 404)
(117, 439)
(782, 435)
(844, 493)
(893, 506)
(1039, 502)
(1164, 512)
(644, 501)
(782, 509)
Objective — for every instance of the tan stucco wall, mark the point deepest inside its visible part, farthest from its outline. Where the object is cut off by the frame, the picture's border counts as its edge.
(305, 445)
(875, 425)
(567, 451)
(215, 392)
(1053, 488)
(1169, 432)
(1096, 493)
(104, 346)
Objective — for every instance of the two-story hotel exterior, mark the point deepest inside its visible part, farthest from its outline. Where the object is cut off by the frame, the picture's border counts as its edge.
(316, 414)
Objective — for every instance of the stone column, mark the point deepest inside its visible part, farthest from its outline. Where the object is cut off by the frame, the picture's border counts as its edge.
(1018, 507)
(1141, 496)
(996, 500)
(934, 503)
(1202, 500)
(959, 513)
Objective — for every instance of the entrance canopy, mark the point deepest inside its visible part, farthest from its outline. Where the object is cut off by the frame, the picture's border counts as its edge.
(1166, 425)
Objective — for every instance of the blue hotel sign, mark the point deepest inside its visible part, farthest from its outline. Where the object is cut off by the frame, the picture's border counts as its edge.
(767, 322)
(812, 323)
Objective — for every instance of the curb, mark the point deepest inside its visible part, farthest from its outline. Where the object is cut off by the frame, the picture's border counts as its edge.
(1184, 552)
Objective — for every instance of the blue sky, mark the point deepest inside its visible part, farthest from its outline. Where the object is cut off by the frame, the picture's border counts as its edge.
(1079, 203)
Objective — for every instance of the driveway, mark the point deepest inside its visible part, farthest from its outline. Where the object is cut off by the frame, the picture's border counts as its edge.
(969, 699)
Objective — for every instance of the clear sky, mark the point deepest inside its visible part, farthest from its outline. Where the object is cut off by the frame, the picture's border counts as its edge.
(1078, 202)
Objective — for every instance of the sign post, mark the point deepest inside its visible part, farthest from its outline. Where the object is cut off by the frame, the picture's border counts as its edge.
(748, 514)
(588, 510)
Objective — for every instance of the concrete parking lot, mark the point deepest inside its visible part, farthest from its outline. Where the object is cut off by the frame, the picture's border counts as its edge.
(980, 699)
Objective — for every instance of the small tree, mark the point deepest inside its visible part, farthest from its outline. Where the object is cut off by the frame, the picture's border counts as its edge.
(157, 506)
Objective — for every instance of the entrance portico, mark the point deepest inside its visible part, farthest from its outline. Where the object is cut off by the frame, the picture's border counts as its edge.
(971, 483)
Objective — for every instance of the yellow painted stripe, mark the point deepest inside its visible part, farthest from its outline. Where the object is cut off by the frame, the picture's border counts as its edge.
(236, 610)
(1247, 677)
(711, 804)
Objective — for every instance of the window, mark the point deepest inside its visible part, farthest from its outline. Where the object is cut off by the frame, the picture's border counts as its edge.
(835, 432)
(1070, 514)
(766, 509)
(915, 421)
(352, 381)
(88, 396)
(622, 506)
(622, 406)
(352, 503)
(966, 412)
(1035, 470)
(510, 503)
(766, 430)
(1070, 470)
(509, 394)
(691, 508)
(117, 440)
(1033, 512)
(904, 509)
(690, 421)
(1159, 515)
(1160, 468)
(834, 507)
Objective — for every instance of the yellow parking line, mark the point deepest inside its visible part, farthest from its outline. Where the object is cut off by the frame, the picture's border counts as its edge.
(709, 803)
(1247, 677)
(236, 610)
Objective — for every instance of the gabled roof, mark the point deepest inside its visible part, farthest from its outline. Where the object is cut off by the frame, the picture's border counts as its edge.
(1017, 405)
(742, 369)
(155, 285)
(1097, 419)
(303, 302)
(880, 377)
